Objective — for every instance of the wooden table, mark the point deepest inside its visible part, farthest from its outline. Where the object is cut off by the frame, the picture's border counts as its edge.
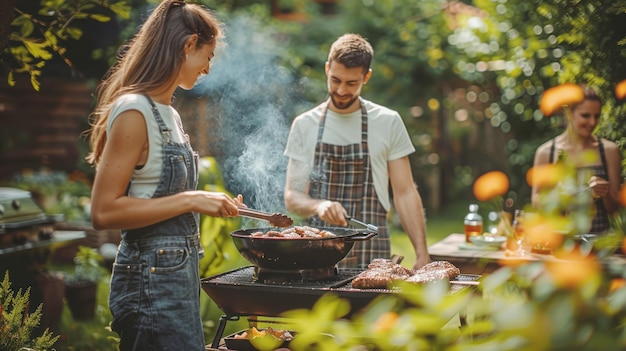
(479, 261)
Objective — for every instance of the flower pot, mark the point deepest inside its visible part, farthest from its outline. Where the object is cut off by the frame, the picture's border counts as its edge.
(81, 299)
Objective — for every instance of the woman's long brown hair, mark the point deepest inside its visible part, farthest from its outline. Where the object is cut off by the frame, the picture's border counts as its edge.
(151, 60)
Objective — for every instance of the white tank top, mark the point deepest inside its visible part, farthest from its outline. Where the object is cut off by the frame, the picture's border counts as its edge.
(144, 181)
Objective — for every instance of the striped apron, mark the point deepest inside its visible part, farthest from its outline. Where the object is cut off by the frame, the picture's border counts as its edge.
(600, 223)
(343, 174)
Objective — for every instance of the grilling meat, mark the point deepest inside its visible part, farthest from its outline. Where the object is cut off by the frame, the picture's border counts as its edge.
(296, 232)
(381, 272)
(434, 271)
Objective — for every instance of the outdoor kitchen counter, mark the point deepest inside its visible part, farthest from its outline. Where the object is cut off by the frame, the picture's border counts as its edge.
(59, 239)
(480, 261)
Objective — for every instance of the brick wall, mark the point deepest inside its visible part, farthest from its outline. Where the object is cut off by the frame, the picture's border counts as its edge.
(42, 128)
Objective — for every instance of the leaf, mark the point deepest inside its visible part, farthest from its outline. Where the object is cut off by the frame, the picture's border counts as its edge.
(11, 79)
(34, 81)
(19, 20)
(51, 38)
(81, 15)
(74, 33)
(27, 28)
(100, 17)
(122, 9)
(38, 50)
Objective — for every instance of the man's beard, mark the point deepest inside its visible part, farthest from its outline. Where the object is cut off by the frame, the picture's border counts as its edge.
(343, 105)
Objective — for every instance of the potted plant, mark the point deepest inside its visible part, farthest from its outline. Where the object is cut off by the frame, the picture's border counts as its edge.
(81, 286)
(18, 326)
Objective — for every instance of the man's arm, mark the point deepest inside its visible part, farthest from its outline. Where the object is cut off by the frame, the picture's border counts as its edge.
(408, 204)
(299, 202)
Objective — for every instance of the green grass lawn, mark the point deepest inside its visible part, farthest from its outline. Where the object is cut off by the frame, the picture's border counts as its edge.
(95, 335)
(437, 227)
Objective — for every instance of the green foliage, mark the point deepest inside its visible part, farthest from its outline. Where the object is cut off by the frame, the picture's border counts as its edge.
(17, 324)
(87, 266)
(88, 335)
(554, 42)
(491, 62)
(220, 253)
(57, 192)
(36, 38)
(513, 309)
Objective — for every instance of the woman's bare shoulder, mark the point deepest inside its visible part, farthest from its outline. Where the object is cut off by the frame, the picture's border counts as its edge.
(544, 148)
(608, 144)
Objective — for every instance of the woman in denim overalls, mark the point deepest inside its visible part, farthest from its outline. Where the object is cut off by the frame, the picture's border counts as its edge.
(146, 178)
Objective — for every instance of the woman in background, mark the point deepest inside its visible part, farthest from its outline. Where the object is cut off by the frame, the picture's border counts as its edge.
(146, 178)
(604, 169)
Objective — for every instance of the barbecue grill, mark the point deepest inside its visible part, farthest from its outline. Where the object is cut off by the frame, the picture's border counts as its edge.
(24, 226)
(240, 292)
(27, 239)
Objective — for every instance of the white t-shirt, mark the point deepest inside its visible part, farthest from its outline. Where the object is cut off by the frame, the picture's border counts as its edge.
(144, 181)
(387, 139)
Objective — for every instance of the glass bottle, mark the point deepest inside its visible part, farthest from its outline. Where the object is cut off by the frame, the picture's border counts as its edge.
(473, 223)
(518, 230)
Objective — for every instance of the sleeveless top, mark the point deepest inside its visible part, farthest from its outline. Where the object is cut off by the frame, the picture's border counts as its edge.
(600, 222)
(155, 283)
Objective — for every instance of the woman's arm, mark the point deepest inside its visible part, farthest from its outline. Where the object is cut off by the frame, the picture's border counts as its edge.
(613, 165)
(542, 157)
(111, 208)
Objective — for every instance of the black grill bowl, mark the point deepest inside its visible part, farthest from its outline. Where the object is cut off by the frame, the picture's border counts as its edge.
(296, 254)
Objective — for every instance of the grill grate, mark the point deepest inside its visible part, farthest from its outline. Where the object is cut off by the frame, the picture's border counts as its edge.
(245, 276)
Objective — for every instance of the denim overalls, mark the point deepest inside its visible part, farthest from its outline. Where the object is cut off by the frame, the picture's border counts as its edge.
(155, 285)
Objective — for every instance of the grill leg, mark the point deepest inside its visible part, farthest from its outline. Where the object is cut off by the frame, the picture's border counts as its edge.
(220, 329)
(463, 318)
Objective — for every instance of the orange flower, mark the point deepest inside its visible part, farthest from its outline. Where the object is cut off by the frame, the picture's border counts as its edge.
(491, 185)
(574, 269)
(620, 89)
(386, 322)
(545, 176)
(617, 283)
(555, 98)
(544, 232)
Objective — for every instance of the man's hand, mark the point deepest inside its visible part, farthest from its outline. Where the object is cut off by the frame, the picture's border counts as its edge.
(420, 261)
(332, 212)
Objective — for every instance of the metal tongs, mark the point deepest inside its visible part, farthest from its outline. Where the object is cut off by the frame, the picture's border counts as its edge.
(275, 219)
(360, 224)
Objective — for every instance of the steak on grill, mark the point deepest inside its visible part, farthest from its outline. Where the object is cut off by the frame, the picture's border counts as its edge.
(434, 271)
(381, 272)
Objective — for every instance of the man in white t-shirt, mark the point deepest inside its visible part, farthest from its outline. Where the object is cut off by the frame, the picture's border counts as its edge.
(344, 153)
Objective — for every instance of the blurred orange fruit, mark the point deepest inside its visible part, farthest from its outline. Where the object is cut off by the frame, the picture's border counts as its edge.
(491, 185)
(544, 232)
(617, 283)
(620, 89)
(386, 322)
(545, 176)
(555, 98)
(573, 269)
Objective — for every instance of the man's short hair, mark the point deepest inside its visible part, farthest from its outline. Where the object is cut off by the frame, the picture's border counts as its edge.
(352, 50)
